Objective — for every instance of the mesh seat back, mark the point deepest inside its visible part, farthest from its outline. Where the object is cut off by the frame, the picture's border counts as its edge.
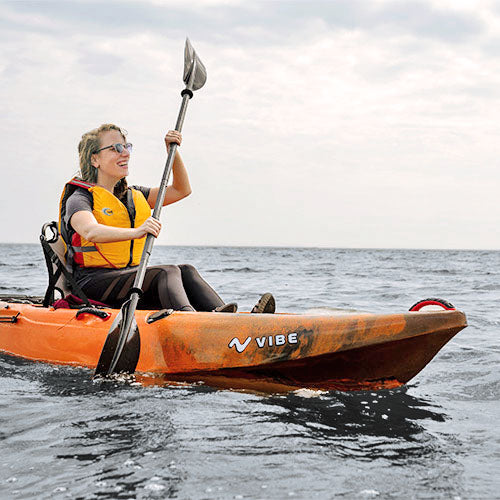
(54, 250)
(59, 249)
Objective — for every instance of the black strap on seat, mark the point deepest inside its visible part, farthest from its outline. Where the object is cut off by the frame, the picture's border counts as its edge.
(52, 258)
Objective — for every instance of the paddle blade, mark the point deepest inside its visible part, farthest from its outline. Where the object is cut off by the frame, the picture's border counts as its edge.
(123, 340)
(193, 63)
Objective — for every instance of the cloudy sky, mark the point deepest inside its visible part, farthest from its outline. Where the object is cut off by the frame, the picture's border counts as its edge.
(335, 123)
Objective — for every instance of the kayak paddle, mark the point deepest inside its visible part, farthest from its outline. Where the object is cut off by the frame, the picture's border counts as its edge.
(122, 347)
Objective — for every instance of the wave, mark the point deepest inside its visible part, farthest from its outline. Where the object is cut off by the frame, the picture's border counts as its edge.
(12, 289)
(234, 270)
(491, 286)
(443, 271)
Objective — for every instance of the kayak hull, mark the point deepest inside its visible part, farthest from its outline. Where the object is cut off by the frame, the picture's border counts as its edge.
(256, 351)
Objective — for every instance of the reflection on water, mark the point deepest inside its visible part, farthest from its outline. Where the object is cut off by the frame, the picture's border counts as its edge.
(369, 424)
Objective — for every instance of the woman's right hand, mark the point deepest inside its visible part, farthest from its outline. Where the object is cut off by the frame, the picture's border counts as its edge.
(151, 226)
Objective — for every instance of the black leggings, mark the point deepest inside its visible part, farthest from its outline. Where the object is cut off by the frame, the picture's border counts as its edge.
(165, 287)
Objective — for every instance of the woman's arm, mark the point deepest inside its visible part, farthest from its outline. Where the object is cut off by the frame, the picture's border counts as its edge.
(86, 225)
(180, 187)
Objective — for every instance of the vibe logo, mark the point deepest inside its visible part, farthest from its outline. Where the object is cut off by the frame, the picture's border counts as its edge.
(107, 211)
(269, 340)
(239, 346)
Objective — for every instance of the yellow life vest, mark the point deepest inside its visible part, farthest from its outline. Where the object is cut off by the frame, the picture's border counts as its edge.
(108, 210)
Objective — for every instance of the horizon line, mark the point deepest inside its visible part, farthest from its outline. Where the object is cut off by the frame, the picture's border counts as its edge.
(304, 246)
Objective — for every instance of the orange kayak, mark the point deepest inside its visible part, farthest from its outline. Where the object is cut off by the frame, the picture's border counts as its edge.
(269, 352)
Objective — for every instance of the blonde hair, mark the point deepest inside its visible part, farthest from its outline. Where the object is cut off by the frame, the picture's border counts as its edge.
(88, 145)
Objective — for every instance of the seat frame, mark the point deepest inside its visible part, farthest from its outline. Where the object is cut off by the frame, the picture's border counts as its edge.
(60, 278)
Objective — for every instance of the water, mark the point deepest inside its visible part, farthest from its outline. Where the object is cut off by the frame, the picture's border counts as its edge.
(62, 436)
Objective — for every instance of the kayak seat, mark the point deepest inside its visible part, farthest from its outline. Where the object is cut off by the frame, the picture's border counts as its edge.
(60, 278)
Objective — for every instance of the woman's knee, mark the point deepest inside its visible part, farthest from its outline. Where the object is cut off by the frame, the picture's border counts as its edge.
(159, 278)
(168, 270)
(188, 270)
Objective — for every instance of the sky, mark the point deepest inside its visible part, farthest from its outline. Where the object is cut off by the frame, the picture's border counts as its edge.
(335, 123)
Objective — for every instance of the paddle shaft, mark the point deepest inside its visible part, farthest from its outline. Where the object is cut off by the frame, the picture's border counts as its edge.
(148, 246)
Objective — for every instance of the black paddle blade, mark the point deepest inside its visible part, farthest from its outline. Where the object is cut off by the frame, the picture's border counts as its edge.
(125, 346)
(193, 63)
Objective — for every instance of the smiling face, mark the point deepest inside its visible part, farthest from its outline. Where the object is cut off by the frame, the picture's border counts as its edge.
(111, 166)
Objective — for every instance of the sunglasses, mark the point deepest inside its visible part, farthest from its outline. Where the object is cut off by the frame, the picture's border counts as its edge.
(119, 148)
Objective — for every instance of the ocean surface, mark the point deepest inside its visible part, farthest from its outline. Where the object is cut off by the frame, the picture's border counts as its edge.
(63, 436)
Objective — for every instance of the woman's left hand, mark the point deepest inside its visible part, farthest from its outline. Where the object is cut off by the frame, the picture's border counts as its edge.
(173, 137)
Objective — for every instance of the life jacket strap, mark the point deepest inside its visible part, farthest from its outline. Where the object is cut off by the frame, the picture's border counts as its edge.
(84, 249)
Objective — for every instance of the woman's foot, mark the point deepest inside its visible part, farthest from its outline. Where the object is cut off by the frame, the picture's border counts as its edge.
(266, 304)
(232, 307)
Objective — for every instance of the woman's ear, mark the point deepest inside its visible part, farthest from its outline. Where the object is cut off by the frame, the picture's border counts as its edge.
(94, 161)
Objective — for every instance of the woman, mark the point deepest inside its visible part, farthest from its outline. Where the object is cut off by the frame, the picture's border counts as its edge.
(104, 224)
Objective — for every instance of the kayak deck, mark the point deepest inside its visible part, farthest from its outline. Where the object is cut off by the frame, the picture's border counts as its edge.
(241, 350)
